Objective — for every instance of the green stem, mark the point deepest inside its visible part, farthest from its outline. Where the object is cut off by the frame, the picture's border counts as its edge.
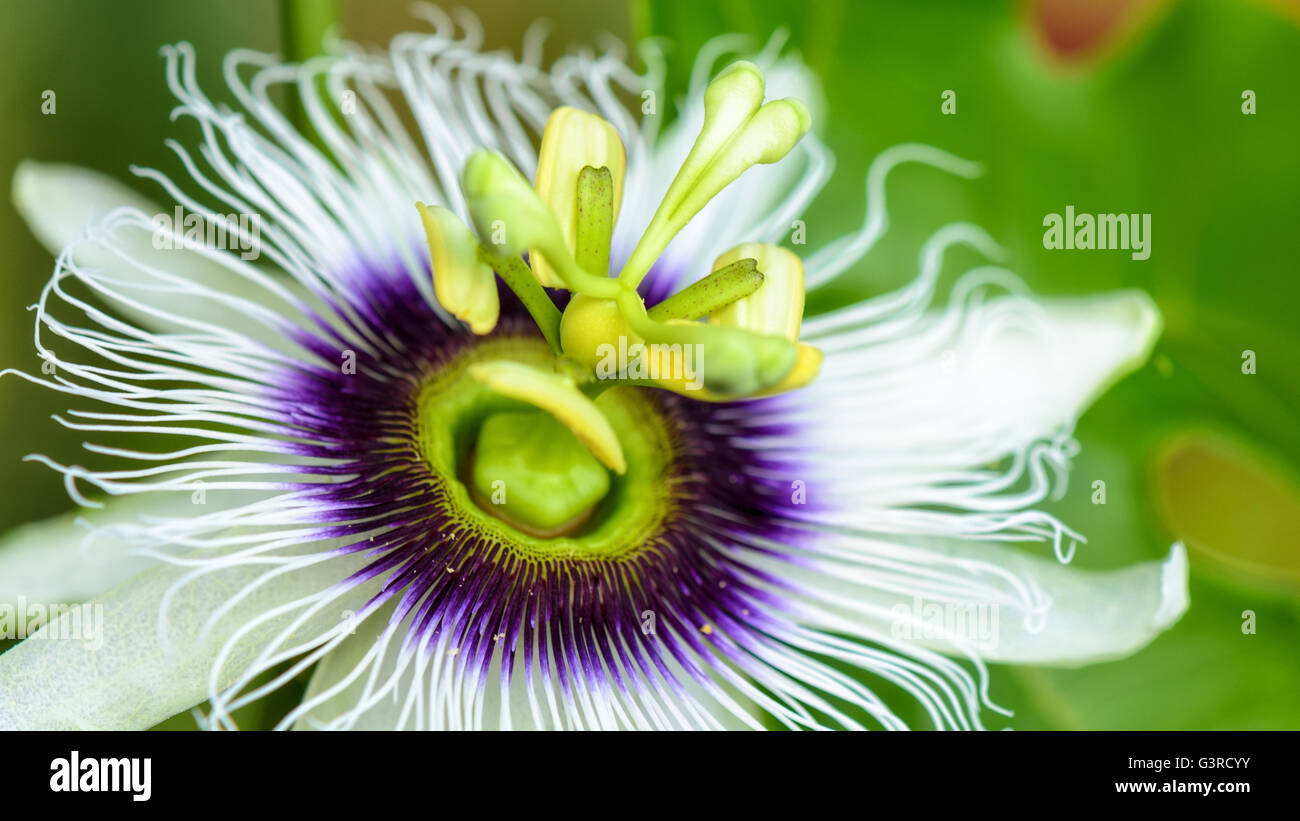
(711, 294)
(520, 279)
(304, 25)
(578, 280)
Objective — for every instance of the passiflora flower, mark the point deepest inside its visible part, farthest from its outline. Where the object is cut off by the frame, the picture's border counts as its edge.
(655, 495)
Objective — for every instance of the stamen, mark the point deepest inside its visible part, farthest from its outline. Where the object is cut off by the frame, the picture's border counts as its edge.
(567, 223)
(463, 283)
(573, 141)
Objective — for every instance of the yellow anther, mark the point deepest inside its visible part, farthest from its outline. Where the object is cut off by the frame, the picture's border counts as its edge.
(572, 141)
(776, 307)
(464, 284)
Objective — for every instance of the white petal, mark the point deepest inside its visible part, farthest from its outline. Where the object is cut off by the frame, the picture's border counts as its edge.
(998, 602)
(78, 555)
(968, 386)
(62, 203)
(119, 675)
(1070, 616)
(59, 202)
(70, 558)
(1094, 616)
(1095, 342)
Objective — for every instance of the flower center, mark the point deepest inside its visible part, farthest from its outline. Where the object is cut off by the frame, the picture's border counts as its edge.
(519, 478)
(529, 441)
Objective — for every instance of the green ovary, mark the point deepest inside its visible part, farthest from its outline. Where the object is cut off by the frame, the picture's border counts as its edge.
(556, 503)
(535, 474)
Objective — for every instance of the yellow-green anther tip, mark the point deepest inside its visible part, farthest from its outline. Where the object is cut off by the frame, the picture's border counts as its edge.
(746, 66)
(802, 112)
(487, 172)
(740, 81)
(775, 129)
(464, 285)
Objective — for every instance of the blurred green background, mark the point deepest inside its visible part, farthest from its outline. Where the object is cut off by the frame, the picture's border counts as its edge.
(1111, 106)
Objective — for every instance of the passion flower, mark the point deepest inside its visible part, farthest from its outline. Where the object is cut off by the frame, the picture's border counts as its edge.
(404, 467)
